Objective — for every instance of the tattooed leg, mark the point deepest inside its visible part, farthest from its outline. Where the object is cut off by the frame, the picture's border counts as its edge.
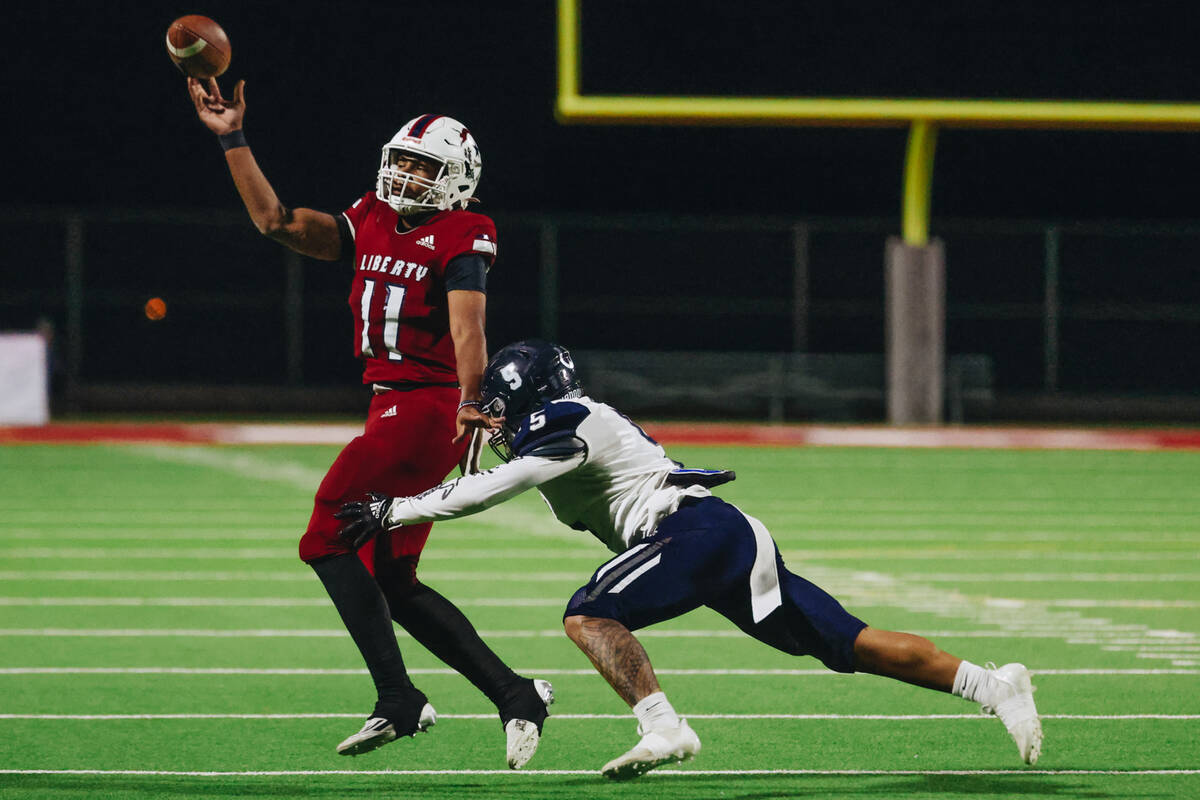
(616, 654)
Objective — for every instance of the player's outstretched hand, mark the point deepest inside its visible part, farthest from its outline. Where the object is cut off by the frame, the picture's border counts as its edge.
(365, 519)
(218, 114)
(470, 419)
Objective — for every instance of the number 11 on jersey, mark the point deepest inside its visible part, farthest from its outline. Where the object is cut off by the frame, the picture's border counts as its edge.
(392, 301)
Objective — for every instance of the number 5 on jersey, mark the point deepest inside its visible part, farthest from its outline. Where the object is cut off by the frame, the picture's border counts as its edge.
(389, 336)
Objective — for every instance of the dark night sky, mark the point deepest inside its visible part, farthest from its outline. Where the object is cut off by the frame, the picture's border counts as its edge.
(98, 116)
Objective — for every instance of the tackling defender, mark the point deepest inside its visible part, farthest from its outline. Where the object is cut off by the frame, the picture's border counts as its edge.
(417, 295)
(679, 547)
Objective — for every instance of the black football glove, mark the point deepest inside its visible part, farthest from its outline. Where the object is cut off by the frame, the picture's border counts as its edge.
(365, 519)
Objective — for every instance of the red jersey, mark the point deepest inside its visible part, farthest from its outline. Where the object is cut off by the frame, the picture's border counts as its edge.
(398, 297)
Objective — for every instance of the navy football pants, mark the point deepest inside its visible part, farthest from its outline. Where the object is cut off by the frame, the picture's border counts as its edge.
(704, 555)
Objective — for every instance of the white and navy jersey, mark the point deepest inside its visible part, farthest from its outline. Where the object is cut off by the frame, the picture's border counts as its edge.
(596, 470)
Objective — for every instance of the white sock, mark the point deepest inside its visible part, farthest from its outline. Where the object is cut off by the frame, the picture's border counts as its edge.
(654, 711)
(972, 682)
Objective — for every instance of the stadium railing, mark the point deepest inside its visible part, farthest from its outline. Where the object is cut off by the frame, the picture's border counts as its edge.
(772, 386)
(1086, 319)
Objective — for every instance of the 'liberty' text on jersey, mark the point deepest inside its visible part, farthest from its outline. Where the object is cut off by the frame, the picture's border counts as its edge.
(398, 297)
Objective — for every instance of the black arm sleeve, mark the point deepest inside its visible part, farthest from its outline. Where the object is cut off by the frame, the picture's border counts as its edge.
(347, 239)
(467, 271)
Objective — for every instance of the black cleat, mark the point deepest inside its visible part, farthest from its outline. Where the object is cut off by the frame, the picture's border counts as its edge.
(381, 729)
(524, 728)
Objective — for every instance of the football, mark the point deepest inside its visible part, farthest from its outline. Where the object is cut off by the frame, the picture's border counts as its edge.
(198, 46)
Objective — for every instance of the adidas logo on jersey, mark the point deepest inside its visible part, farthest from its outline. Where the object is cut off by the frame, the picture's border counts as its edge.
(391, 412)
(426, 241)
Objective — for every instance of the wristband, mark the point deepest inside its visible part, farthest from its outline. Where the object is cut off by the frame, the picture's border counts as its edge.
(466, 403)
(232, 139)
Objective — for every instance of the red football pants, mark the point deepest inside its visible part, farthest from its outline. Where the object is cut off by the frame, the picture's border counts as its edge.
(405, 448)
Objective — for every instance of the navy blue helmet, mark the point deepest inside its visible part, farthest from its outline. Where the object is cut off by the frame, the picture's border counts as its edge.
(522, 377)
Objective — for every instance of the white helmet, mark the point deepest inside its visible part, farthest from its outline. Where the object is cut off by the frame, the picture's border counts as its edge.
(441, 139)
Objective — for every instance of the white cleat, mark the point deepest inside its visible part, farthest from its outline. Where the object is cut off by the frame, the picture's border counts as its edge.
(522, 735)
(1013, 704)
(378, 731)
(658, 747)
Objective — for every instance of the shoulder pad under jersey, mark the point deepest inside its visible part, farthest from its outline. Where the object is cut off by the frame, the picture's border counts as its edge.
(553, 423)
(459, 232)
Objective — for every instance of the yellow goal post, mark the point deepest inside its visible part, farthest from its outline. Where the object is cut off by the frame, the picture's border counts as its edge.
(922, 116)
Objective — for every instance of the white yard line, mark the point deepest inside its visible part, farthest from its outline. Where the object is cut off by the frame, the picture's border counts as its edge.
(587, 555)
(581, 576)
(255, 602)
(250, 602)
(1121, 603)
(142, 553)
(994, 556)
(1007, 617)
(1142, 644)
(533, 525)
(244, 465)
(557, 717)
(807, 673)
(922, 592)
(182, 530)
(90, 532)
(1012, 618)
(200, 602)
(301, 574)
(1054, 577)
(277, 633)
(155, 576)
(288, 555)
(657, 775)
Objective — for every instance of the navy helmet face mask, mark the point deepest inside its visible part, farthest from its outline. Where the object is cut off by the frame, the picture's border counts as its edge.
(521, 378)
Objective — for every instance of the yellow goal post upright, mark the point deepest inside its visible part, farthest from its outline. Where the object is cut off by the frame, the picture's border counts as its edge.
(915, 268)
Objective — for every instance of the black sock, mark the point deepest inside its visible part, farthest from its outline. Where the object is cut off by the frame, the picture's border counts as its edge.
(443, 630)
(364, 611)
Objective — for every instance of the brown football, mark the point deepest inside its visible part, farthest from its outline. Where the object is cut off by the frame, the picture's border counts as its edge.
(198, 46)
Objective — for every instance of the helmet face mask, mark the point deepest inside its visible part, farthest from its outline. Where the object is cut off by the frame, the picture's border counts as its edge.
(410, 191)
(502, 437)
(521, 378)
(429, 138)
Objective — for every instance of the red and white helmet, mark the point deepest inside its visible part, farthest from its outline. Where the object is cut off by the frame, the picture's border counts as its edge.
(441, 139)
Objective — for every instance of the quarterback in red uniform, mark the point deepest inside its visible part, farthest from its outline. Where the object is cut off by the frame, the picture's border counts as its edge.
(418, 301)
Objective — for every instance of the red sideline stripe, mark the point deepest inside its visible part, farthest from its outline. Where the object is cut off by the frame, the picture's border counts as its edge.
(1179, 440)
(668, 433)
(105, 432)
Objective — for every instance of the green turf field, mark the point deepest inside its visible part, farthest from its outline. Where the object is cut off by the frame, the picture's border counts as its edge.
(159, 639)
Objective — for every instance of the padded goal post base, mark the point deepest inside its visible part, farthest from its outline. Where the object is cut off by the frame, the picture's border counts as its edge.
(916, 331)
